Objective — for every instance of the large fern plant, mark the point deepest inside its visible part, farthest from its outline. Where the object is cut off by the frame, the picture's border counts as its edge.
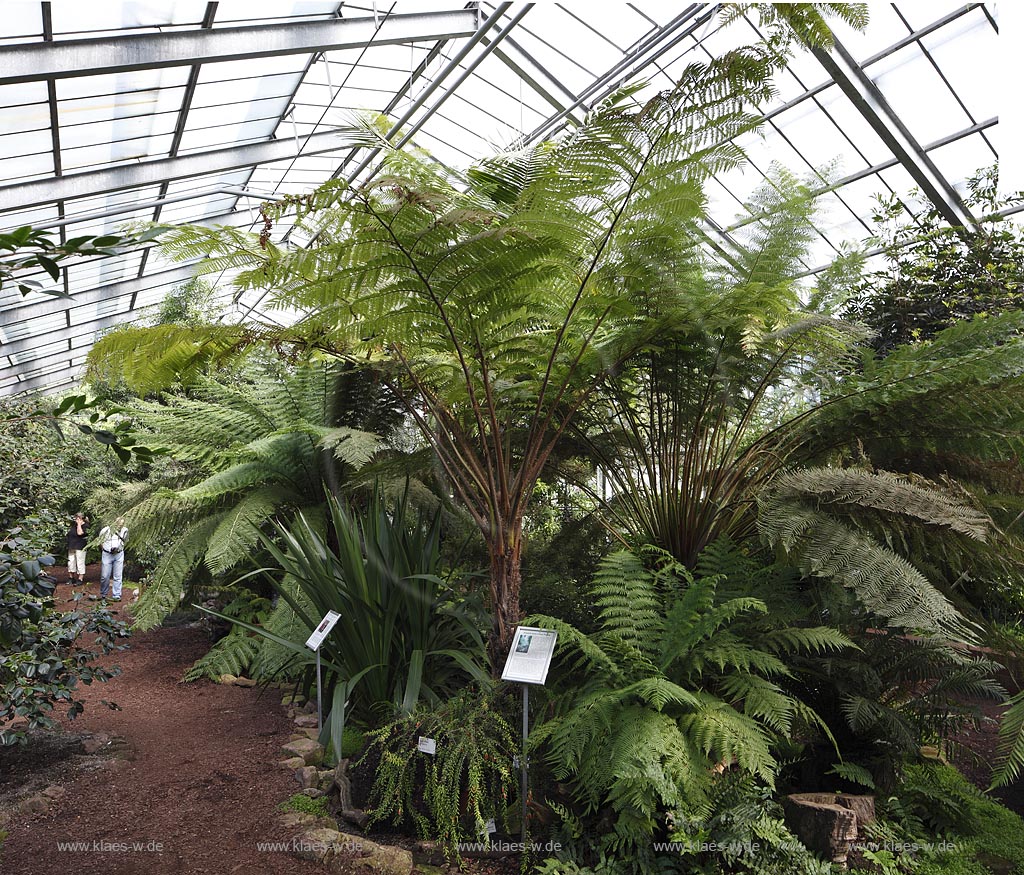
(759, 415)
(504, 294)
(678, 681)
(260, 444)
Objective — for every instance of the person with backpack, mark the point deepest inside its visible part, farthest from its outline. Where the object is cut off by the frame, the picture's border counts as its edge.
(112, 541)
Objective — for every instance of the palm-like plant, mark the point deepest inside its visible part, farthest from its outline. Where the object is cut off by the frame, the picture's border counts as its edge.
(503, 295)
(404, 635)
(677, 680)
(262, 444)
(722, 428)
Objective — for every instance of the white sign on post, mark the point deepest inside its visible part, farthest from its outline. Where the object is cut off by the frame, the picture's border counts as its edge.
(323, 630)
(530, 656)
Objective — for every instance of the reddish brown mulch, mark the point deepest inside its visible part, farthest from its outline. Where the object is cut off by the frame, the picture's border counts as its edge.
(197, 774)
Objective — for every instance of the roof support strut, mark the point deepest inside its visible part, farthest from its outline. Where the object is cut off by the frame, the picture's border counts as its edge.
(871, 103)
(29, 62)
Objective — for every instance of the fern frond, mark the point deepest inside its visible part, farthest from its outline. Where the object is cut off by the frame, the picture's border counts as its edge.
(236, 536)
(886, 583)
(166, 582)
(233, 654)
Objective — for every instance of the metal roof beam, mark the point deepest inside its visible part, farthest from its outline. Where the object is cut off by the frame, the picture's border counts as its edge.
(638, 58)
(46, 383)
(533, 73)
(29, 62)
(179, 128)
(124, 289)
(872, 105)
(95, 182)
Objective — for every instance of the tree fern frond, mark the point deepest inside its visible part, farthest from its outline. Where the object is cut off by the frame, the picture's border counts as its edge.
(887, 584)
(351, 446)
(1010, 760)
(886, 492)
(236, 536)
(163, 591)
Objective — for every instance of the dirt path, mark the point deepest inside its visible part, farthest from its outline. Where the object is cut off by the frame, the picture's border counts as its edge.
(195, 789)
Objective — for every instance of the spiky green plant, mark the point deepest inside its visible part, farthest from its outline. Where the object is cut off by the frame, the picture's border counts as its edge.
(404, 635)
(263, 443)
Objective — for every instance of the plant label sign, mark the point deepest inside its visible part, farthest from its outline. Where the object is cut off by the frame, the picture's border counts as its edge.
(530, 655)
(427, 745)
(323, 630)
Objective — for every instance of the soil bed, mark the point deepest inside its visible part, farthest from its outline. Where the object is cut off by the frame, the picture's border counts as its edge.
(193, 773)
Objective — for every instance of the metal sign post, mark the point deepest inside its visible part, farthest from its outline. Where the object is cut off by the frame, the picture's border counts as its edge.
(319, 696)
(313, 643)
(528, 662)
(524, 762)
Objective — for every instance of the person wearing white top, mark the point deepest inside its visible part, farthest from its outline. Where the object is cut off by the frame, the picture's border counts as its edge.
(112, 541)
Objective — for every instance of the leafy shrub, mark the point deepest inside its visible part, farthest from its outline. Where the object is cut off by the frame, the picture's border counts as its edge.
(676, 682)
(448, 796)
(44, 655)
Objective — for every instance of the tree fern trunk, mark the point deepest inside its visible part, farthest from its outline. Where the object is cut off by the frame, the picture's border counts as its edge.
(506, 577)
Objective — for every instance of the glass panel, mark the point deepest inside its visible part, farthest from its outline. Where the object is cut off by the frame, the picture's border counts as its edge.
(903, 78)
(122, 105)
(76, 18)
(956, 48)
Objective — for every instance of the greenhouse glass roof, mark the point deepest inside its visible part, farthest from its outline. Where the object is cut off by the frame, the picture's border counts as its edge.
(187, 111)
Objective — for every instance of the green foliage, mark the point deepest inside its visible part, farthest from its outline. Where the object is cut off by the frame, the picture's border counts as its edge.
(937, 275)
(191, 303)
(895, 695)
(449, 796)
(689, 430)
(677, 680)
(305, 805)
(935, 803)
(29, 249)
(403, 635)
(1011, 743)
(232, 654)
(353, 742)
(46, 474)
(45, 652)
(236, 651)
(243, 450)
(504, 295)
(743, 831)
(809, 514)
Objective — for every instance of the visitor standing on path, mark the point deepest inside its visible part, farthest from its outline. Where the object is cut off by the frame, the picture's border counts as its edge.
(112, 541)
(77, 536)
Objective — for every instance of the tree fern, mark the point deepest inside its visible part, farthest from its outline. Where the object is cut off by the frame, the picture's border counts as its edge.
(164, 586)
(242, 452)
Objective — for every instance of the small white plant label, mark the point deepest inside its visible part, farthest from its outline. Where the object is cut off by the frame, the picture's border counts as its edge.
(490, 826)
(427, 745)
